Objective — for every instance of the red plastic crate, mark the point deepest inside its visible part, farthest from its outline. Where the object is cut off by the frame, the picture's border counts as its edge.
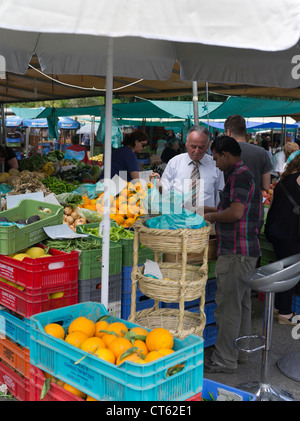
(58, 269)
(55, 392)
(196, 397)
(15, 356)
(17, 385)
(32, 301)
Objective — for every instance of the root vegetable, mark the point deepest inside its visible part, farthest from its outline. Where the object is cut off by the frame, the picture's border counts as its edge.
(69, 219)
(75, 215)
(68, 210)
(80, 221)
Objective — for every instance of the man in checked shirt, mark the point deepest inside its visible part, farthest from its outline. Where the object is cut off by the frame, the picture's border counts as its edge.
(237, 227)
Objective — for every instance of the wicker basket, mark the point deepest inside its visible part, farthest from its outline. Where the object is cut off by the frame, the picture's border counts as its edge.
(192, 323)
(162, 240)
(184, 283)
(175, 285)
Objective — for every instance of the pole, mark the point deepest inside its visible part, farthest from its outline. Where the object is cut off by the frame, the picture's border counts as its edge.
(105, 225)
(195, 103)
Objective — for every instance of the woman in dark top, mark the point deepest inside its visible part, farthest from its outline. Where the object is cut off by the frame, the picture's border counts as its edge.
(281, 230)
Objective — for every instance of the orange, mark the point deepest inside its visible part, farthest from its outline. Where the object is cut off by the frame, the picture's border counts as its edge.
(83, 324)
(141, 346)
(91, 207)
(119, 345)
(106, 355)
(86, 200)
(76, 338)
(108, 338)
(119, 219)
(74, 391)
(118, 327)
(139, 330)
(134, 357)
(134, 209)
(129, 222)
(159, 338)
(92, 344)
(101, 325)
(90, 398)
(132, 200)
(166, 351)
(123, 209)
(56, 330)
(152, 356)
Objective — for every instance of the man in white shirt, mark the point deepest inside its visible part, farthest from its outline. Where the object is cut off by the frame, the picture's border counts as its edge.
(178, 171)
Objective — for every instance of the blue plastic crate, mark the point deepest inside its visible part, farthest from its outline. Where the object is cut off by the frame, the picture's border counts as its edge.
(210, 289)
(106, 381)
(142, 302)
(210, 335)
(210, 388)
(126, 279)
(15, 327)
(296, 304)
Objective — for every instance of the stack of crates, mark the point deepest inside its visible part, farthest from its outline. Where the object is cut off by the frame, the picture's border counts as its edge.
(142, 302)
(90, 275)
(29, 287)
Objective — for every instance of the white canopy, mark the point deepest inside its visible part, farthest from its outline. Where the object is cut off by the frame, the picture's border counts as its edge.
(231, 41)
(250, 41)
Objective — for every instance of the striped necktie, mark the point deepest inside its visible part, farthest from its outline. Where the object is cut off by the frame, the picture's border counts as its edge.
(195, 177)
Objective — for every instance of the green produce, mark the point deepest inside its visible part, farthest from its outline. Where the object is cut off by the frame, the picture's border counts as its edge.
(116, 232)
(58, 186)
(32, 163)
(72, 244)
(69, 199)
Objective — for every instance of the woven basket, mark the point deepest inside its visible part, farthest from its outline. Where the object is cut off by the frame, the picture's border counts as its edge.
(188, 284)
(192, 323)
(162, 240)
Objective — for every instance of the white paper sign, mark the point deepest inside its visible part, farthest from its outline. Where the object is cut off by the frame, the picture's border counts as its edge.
(152, 269)
(14, 199)
(62, 231)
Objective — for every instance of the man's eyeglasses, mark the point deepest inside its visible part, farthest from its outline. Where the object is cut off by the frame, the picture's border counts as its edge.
(143, 144)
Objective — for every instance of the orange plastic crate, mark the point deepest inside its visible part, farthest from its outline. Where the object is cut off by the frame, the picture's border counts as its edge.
(15, 356)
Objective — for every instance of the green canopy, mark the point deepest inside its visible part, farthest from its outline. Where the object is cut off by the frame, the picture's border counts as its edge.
(255, 107)
(142, 109)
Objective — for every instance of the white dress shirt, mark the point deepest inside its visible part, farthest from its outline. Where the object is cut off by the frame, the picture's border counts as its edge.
(177, 175)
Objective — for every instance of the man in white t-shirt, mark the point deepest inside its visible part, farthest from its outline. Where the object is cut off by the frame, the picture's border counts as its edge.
(178, 171)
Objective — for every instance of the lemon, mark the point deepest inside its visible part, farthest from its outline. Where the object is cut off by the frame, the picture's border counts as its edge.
(56, 295)
(21, 256)
(46, 255)
(35, 252)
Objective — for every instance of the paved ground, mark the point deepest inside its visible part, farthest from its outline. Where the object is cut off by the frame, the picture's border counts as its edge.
(282, 344)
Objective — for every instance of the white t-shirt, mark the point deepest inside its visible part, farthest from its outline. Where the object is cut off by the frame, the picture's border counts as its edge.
(177, 175)
(278, 162)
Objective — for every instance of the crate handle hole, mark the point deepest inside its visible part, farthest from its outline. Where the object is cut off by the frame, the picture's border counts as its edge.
(175, 369)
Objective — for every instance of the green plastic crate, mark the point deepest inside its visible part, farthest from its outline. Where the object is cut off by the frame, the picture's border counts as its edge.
(90, 266)
(127, 248)
(14, 239)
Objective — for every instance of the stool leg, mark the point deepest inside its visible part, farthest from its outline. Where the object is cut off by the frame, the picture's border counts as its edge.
(262, 389)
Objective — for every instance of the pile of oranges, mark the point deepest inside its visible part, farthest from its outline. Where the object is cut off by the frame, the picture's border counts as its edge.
(113, 342)
(128, 206)
(124, 208)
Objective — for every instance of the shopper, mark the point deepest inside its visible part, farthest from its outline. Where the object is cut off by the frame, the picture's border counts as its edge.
(282, 229)
(170, 150)
(237, 227)
(77, 148)
(178, 171)
(256, 159)
(124, 161)
(8, 157)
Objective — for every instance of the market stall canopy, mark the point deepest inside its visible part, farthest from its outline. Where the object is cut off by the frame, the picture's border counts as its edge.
(13, 121)
(63, 123)
(141, 109)
(255, 107)
(208, 43)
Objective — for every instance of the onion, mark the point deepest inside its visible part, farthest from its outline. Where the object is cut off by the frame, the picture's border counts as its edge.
(68, 210)
(69, 219)
(75, 215)
(72, 227)
(80, 221)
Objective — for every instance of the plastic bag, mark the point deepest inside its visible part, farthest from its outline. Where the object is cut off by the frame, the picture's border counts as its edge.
(90, 215)
(79, 155)
(69, 199)
(170, 205)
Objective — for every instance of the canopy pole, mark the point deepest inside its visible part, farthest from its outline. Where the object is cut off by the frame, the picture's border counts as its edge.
(107, 174)
(195, 103)
(92, 137)
(206, 84)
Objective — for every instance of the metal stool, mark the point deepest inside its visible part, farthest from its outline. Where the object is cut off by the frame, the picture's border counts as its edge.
(275, 277)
